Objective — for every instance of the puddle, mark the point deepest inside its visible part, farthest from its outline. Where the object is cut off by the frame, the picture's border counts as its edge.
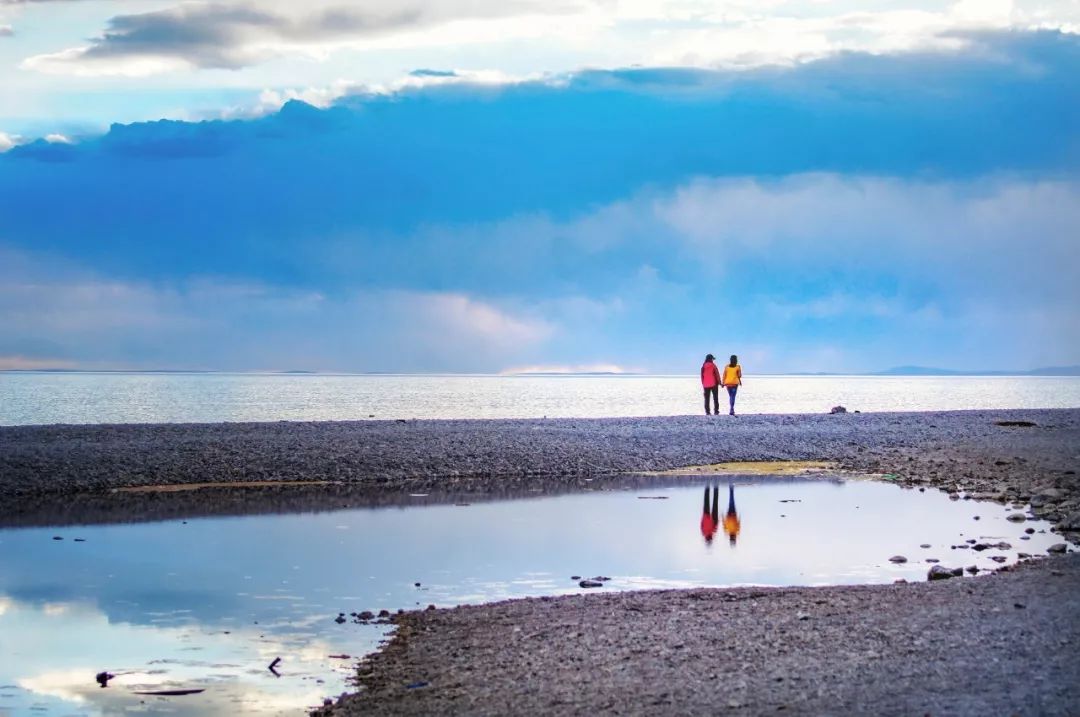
(209, 603)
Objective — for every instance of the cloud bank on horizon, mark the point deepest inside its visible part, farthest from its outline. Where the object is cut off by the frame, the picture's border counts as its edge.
(913, 202)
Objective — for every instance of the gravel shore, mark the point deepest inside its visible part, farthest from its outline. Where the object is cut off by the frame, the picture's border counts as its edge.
(1000, 644)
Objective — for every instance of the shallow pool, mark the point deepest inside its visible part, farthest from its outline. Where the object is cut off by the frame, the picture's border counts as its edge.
(209, 603)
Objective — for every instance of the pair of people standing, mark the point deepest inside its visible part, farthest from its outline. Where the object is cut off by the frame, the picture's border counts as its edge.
(712, 379)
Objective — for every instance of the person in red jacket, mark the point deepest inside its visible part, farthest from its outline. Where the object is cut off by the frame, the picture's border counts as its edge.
(710, 517)
(710, 382)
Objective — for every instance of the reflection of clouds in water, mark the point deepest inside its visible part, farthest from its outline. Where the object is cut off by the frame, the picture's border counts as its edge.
(63, 645)
(66, 685)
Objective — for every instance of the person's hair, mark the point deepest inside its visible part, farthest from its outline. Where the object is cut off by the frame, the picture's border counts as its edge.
(734, 360)
(709, 357)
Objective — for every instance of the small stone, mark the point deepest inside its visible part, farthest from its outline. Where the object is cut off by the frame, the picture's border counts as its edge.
(1016, 517)
(932, 560)
(57, 537)
(1025, 537)
(973, 569)
(416, 585)
(925, 545)
(1003, 546)
(430, 607)
(1029, 531)
(1019, 605)
(1023, 556)
(1057, 548)
(339, 619)
(838, 409)
(939, 573)
(366, 615)
(575, 577)
(898, 559)
(998, 558)
(976, 517)
(384, 613)
(590, 584)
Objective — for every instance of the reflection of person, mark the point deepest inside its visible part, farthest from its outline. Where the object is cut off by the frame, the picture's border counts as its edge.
(710, 382)
(710, 517)
(731, 381)
(731, 520)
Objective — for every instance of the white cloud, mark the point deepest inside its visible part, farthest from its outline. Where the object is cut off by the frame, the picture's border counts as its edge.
(56, 138)
(87, 320)
(7, 141)
(233, 34)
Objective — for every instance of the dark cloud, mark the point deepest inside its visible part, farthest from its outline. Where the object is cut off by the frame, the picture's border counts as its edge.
(233, 35)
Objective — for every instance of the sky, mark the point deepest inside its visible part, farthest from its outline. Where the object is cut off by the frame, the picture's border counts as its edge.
(481, 186)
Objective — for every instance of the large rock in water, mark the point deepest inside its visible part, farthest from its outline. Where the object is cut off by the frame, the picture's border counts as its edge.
(939, 573)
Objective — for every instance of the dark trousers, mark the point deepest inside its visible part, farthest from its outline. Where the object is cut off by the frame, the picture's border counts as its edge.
(715, 391)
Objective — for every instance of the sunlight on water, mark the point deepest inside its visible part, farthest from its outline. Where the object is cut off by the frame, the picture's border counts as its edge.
(209, 603)
(28, 398)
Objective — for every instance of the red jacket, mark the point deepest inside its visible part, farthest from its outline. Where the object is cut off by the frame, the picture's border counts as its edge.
(710, 375)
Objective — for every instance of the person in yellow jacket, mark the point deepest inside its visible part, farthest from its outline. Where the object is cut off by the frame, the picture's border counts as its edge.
(732, 380)
(731, 520)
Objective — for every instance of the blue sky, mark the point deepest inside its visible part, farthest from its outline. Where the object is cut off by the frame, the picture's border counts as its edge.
(473, 186)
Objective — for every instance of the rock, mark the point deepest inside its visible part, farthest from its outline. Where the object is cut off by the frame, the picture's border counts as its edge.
(980, 546)
(1002, 546)
(976, 517)
(1023, 556)
(973, 569)
(1019, 605)
(1057, 549)
(998, 558)
(384, 613)
(1071, 522)
(575, 577)
(932, 560)
(1025, 537)
(838, 409)
(898, 559)
(1029, 531)
(366, 615)
(925, 545)
(939, 573)
(1016, 517)
(57, 537)
(590, 584)
(339, 619)
(600, 578)
(430, 607)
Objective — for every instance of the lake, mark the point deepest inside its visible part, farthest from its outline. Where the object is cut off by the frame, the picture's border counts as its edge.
(41, 398)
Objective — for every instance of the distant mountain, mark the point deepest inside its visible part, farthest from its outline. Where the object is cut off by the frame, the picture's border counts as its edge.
(925, 371)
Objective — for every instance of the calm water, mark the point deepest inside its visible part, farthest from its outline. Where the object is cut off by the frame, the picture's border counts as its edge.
(28, 398)
(207, 604)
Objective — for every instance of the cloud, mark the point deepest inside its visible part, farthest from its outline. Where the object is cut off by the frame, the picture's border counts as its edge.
(7, 141)
(231, 35)
(6, 31)
(63, 317)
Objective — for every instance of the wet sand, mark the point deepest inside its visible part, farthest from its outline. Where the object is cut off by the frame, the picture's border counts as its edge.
(955, 646)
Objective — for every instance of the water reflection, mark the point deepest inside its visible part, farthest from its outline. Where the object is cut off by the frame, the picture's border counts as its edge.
(710, 516)
(214, 612)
